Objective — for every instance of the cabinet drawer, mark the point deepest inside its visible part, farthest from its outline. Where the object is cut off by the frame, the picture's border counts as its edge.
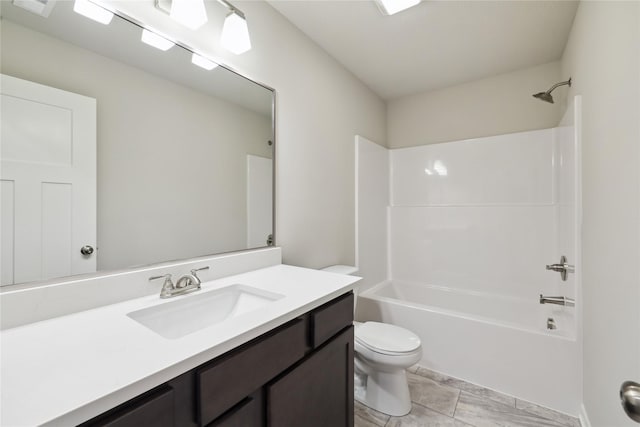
(153, 409)
(225, 382)
(331, 318)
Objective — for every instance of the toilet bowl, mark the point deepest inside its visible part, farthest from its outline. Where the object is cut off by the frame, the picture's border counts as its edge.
(383, 352)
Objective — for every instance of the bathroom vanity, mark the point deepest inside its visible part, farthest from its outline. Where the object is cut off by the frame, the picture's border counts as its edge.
(299, 374)
(288, 362)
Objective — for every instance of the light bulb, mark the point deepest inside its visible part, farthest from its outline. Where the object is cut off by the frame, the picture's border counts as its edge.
(190, 13)
(156, 40)
(235, 34)
(92, 11)
(203, 62)
(390, 7)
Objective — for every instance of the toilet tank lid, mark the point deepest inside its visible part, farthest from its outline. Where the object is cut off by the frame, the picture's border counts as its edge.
(341, 269)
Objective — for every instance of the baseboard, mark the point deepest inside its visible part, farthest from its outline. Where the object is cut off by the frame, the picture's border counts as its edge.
(584, 418)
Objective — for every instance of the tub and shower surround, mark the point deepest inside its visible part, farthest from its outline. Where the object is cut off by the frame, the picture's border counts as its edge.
(482, 216)
(471, 226)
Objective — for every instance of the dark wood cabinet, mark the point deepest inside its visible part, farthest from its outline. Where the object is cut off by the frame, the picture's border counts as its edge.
(152, 409)
(249, 412)
(319, 391)
(299, 374)
(230, 378)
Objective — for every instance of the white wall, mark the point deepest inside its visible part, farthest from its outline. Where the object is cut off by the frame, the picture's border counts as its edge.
(142, 177)
(319, 108)
(372, 193)
(493, 106)
(602, 56)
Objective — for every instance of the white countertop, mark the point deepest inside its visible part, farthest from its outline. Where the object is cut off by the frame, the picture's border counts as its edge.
(66, 370)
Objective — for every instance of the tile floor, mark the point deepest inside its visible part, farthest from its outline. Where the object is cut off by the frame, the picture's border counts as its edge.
(441, 401)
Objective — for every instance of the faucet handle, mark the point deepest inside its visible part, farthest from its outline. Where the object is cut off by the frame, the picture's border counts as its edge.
(167, 286)
(195, 270)
(168, 283)
(199, 269)
(194, 273)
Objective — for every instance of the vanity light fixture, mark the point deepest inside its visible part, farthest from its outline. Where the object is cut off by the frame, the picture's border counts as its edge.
(156, 40)
(235, 33)
(93, 11)
(39, 7)
(390, 7)
(203, 62)
(190, 13)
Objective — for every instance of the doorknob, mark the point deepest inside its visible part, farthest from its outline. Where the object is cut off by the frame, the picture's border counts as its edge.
(86, 250)
(630, 399)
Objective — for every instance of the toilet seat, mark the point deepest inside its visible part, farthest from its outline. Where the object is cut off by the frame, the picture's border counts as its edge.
(386, 339)
(382, 354)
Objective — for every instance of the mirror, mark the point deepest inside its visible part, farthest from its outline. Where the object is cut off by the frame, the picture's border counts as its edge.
(182, 163)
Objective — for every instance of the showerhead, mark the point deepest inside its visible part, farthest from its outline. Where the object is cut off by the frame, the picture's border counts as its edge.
(546, 96)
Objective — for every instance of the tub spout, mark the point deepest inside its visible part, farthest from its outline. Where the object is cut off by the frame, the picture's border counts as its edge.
(568, 302)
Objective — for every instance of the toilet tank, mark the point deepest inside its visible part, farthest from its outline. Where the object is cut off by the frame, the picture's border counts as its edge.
(348, 270)
(341, 269)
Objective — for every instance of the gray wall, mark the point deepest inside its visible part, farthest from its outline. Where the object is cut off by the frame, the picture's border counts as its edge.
(171, 161)
(492, 106)
(603, 57)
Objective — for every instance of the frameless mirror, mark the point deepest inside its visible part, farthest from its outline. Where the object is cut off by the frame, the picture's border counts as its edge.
(116, 154)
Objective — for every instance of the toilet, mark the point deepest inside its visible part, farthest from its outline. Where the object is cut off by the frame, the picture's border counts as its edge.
(383, 352)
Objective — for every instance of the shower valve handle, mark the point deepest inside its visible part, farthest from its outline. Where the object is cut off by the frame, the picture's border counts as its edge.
(563, 268)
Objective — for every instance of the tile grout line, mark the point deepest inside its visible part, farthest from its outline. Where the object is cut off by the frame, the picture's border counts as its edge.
(479, 394)
(432, 410)
(455, 408)
(522, 411)
(471, 389)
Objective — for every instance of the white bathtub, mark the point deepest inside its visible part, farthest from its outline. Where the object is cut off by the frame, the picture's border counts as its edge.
(500, 343)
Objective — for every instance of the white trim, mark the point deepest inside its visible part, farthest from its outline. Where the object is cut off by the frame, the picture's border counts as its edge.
(584, 417)
(356, 168)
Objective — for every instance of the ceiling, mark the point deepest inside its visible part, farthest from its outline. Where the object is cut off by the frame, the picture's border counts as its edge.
(435, 44)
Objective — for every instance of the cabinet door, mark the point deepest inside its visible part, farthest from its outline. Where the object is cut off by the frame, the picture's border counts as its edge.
(319, 391)
(248, 413)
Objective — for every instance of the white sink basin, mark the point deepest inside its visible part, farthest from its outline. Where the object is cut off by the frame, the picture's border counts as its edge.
(197, 311)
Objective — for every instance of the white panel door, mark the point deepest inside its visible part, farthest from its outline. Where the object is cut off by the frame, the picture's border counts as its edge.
(259, 200)
(48, 210)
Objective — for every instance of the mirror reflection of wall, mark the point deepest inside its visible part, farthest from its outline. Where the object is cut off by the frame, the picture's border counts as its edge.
(171, 159)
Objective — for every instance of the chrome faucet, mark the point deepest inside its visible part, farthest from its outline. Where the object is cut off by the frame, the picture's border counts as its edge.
(188, 280)
(186, 283)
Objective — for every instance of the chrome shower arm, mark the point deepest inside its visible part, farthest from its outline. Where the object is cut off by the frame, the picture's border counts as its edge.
(546, 96)
(552, 88)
